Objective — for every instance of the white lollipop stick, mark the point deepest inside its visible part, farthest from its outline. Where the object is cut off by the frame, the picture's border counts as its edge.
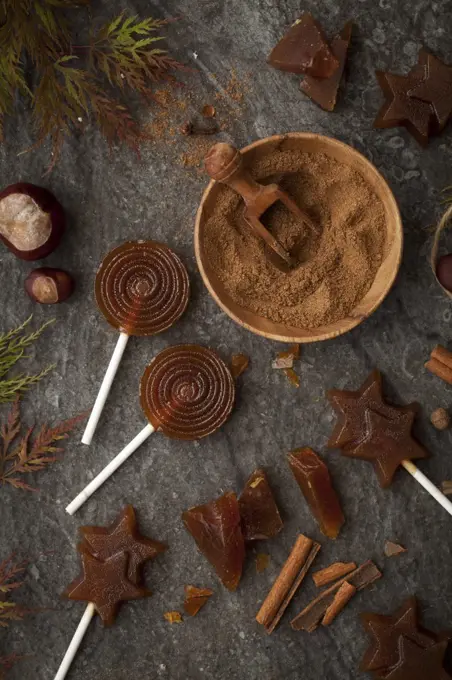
(105, 388)
(75, 642)
(428, 485)
(109, 469)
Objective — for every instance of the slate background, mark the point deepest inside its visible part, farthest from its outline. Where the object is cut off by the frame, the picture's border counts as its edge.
(113, 198)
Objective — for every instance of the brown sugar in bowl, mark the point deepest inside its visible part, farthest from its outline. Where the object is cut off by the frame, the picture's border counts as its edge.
(386, 274)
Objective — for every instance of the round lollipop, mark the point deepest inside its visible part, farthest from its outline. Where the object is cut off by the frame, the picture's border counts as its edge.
(142, 288)
(187, 392)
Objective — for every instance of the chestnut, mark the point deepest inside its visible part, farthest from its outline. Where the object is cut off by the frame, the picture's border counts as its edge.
(49, 286)
(444, 271)
(32, 221)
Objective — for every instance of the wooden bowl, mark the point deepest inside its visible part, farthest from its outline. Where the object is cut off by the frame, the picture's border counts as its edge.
(385, 276)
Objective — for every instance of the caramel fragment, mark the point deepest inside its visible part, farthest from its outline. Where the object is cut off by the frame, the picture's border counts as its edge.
(239, 364)
(216, 528)
(262, 562)
(282, 362)
(311, 615)
(314, 481)
(330, 574)
(173, 617)
(292, 377)
(258, 510)
(195, 599)
(323, 91)
(446, 487)
(392, 549)
(342, 597)
(304, 49)
(287, 583)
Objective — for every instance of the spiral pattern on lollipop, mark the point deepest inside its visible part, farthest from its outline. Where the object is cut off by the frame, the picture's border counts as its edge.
(142, 288)
(187, 392)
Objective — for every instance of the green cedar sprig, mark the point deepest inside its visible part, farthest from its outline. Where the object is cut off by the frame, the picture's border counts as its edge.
(74, 85)
(13, 345)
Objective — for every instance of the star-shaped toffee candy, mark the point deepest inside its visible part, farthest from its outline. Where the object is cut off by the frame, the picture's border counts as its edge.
(387, 444)
(122, 536)
(105, 584)
(402, 109)
(436, 88)
(417, 663)
(383, 652)
(351, 407)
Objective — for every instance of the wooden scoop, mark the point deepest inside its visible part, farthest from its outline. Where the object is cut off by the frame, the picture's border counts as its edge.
(224, 163)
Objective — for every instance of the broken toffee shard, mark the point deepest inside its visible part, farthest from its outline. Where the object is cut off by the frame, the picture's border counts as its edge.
(323, 91)
(258, 509)
(216, 528)
(195, 599)
(314, 481)
(304, 49)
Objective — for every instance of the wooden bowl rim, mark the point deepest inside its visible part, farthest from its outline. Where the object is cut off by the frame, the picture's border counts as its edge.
(326, 335)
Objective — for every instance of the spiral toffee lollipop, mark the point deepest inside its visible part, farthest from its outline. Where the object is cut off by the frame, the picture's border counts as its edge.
(187, 392)
(142, 288)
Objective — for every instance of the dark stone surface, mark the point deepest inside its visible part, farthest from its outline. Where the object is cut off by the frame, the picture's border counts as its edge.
(113, 198)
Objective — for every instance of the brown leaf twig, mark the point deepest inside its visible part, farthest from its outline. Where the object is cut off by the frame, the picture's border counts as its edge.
(24, 453)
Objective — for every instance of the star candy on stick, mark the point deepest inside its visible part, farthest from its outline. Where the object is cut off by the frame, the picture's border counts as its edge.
(111, 562)
(350, 407)
(436, 88)
(386, 631)
(370, 429)
(105, 584)
(122, 536)
(417, 663)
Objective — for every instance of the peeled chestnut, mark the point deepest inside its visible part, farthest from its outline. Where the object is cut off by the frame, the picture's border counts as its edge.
(49, 286)
(32, 221)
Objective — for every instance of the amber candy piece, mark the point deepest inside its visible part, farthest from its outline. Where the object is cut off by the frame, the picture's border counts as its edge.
(122, 536)
(386, 631)
(142, 287)
(436, 88)
(216, 528)
(323, 91)
(195, 599)
(388, 444)
(187, 392)
(239, 364)
(314, 481)
(258, 509)
(417, 663)
(304, 49)
(351, 407)
(400, 108)
(105, 584)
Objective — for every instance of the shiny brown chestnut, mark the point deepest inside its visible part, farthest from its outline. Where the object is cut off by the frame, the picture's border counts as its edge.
(48, 286)
(32, 221)
(444, 271)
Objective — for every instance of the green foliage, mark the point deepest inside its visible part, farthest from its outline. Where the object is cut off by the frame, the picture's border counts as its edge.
(74, 83)
(13, 345)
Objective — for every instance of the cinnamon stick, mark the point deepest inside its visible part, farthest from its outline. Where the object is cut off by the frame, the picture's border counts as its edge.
(287, 583)
(332, 573)
(442, 354)
(439, 369)
(311, 615)
(343, 595)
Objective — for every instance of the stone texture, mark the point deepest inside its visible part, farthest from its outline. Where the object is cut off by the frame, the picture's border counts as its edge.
(113, 198)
